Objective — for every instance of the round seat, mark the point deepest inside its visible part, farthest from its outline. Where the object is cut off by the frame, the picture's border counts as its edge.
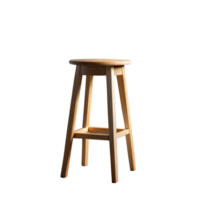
(99, 62)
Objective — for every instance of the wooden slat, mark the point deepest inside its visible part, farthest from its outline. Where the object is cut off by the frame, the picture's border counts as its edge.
(98, 129)
(123, 133)
(95, 136)
(81, 130)
(101, 129)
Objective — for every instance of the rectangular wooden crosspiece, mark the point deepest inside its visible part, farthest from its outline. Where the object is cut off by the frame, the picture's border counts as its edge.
(98, 133)
(116, 85)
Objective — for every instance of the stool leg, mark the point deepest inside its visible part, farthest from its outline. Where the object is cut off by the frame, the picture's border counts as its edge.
(71, 121)
(121, 79)
(106, 110)
(86, 117)
(106, 106)
(112, 122)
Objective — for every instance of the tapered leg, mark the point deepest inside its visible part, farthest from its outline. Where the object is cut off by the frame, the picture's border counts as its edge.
(124, 102)
(112, 122)
(71, 121)
(86, 117)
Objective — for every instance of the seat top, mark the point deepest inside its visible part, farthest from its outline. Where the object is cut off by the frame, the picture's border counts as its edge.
(99, 62)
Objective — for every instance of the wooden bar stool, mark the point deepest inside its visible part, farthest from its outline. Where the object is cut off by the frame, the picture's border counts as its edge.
(90, 68)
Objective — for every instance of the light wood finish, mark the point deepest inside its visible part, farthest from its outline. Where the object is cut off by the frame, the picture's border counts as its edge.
(71, 126)
(86, 120)
(92, 136)
(118, 70)
(114, 70)
(99, 62)
(124, 103)
(110, 79)
(98, 133)
(122, 134)
(101, 129)
(81, 130)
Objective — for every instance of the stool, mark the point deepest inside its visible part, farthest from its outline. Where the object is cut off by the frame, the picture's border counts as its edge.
(90, 68)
